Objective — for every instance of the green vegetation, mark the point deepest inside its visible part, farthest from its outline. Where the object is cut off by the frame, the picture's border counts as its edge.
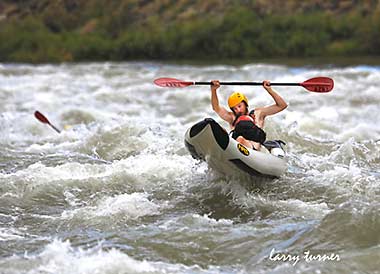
(94, 30)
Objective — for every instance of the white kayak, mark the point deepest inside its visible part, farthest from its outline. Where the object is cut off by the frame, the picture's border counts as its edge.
(210, 142)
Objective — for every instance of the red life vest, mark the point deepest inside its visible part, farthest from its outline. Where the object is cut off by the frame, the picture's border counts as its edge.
(244, 118)
(245, 125)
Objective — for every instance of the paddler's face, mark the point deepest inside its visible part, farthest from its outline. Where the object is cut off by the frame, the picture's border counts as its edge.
(240, 109)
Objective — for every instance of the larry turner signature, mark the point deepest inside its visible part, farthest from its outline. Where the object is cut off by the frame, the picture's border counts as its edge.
(307, 256)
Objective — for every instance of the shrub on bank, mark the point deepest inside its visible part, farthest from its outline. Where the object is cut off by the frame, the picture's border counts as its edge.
(239, 33)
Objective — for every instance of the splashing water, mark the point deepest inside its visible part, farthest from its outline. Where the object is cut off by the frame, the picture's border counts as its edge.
(117, 192)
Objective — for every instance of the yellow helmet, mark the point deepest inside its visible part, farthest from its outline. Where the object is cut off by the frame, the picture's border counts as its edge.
(235, 98)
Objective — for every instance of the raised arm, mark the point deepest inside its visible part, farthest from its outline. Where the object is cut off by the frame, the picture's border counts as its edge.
(279, 105)
(221, 111)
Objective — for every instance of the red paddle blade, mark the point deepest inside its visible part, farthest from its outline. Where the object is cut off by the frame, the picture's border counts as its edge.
(319, 84)
(41, 117)
(172, 83)
(44, 120)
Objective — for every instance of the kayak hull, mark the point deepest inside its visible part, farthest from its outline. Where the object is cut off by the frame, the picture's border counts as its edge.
(208, 141)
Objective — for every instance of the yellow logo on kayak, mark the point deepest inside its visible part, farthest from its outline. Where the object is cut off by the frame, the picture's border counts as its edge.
(243, 149)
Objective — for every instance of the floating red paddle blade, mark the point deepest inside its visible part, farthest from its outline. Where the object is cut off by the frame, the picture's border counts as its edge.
(41, 117)
(44, 120)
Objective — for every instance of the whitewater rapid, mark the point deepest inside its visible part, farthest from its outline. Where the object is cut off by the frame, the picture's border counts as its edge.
(117, 191)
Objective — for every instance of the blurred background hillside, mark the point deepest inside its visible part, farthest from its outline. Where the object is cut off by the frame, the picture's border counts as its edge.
(97, 30)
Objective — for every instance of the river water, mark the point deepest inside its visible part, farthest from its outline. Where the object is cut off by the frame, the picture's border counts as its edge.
(117, 192)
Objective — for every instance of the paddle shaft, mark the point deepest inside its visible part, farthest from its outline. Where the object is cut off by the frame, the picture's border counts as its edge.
(316, 84)
(247, 84)
(56, 129)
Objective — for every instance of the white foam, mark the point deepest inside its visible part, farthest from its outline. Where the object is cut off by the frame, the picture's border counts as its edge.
(304, 209)
(347, 180)
(40, 174)
(360, 132)
(130, 206)
(61, 257)
(195, 221)
(9, 234)
(133, 205)
(71, 198)
(205, 219)
(256, 202)
(328, 113)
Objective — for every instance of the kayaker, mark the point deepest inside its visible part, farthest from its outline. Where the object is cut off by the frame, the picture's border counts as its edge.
(247, 127)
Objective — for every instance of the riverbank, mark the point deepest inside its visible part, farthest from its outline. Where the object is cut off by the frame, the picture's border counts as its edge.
(321, 62)
(96, 31)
